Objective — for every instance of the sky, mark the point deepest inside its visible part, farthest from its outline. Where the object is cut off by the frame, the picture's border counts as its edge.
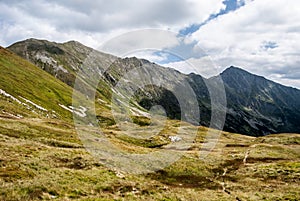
(202, 36)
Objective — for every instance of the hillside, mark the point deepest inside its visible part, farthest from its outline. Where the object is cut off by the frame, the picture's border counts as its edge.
(43, 157)
(263, 106)
(255, 106)
(30, 91)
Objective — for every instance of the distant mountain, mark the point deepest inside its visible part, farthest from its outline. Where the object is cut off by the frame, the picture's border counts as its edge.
(255, 106)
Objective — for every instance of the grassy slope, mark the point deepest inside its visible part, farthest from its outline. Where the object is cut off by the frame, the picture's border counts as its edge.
(43, 158)
(21, 78)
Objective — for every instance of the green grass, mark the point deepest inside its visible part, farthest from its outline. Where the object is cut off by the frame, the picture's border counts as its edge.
(21, 78)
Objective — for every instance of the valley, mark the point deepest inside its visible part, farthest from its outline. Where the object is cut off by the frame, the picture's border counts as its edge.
(45, 157)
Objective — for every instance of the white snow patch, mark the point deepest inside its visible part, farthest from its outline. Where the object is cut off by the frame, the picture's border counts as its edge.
(138, 112)
(34, 104)
(2, 92)
(65, 107)
(60, 67)
(175, 138)
(102, 101)
(121, 102)
(117, 92)
(81, 111)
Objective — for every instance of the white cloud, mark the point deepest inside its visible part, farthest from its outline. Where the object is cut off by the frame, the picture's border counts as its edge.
(139, 40)
(92, 22)
(239, 38)
(203, 66)
(149, 55)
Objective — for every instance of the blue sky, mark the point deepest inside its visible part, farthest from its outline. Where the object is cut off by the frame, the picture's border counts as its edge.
(185, 50)
(230, 5)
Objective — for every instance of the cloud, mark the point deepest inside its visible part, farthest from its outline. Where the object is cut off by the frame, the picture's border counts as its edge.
(263, 37)
(150, 55)
(139, 40)
(203, 66)
(98, 20)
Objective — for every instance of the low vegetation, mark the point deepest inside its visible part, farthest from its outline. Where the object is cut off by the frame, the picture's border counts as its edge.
(43, 159)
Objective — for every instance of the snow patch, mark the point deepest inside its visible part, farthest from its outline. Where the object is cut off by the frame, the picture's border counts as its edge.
(34, 104)
(175, 138)
(137, 112)
(118, 93)
(2, 92)
(81, 111)
(60, 67)
(28, 104)
(102, 101)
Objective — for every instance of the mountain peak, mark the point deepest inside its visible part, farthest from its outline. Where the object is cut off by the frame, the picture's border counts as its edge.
(233, 72)
(73, 42)
(256, 106)
(234, 69)
(37, 41)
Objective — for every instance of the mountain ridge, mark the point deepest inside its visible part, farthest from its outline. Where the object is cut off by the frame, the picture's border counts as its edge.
(256, 106)
(43, 157)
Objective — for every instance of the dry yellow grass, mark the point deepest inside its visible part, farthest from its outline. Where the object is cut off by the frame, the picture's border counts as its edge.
(43, 159)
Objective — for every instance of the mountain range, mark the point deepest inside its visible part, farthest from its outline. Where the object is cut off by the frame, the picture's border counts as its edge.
(47, 154)
(255, 106)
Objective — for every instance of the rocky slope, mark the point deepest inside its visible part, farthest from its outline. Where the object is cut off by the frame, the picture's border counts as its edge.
(255, 105)
(258, 105)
